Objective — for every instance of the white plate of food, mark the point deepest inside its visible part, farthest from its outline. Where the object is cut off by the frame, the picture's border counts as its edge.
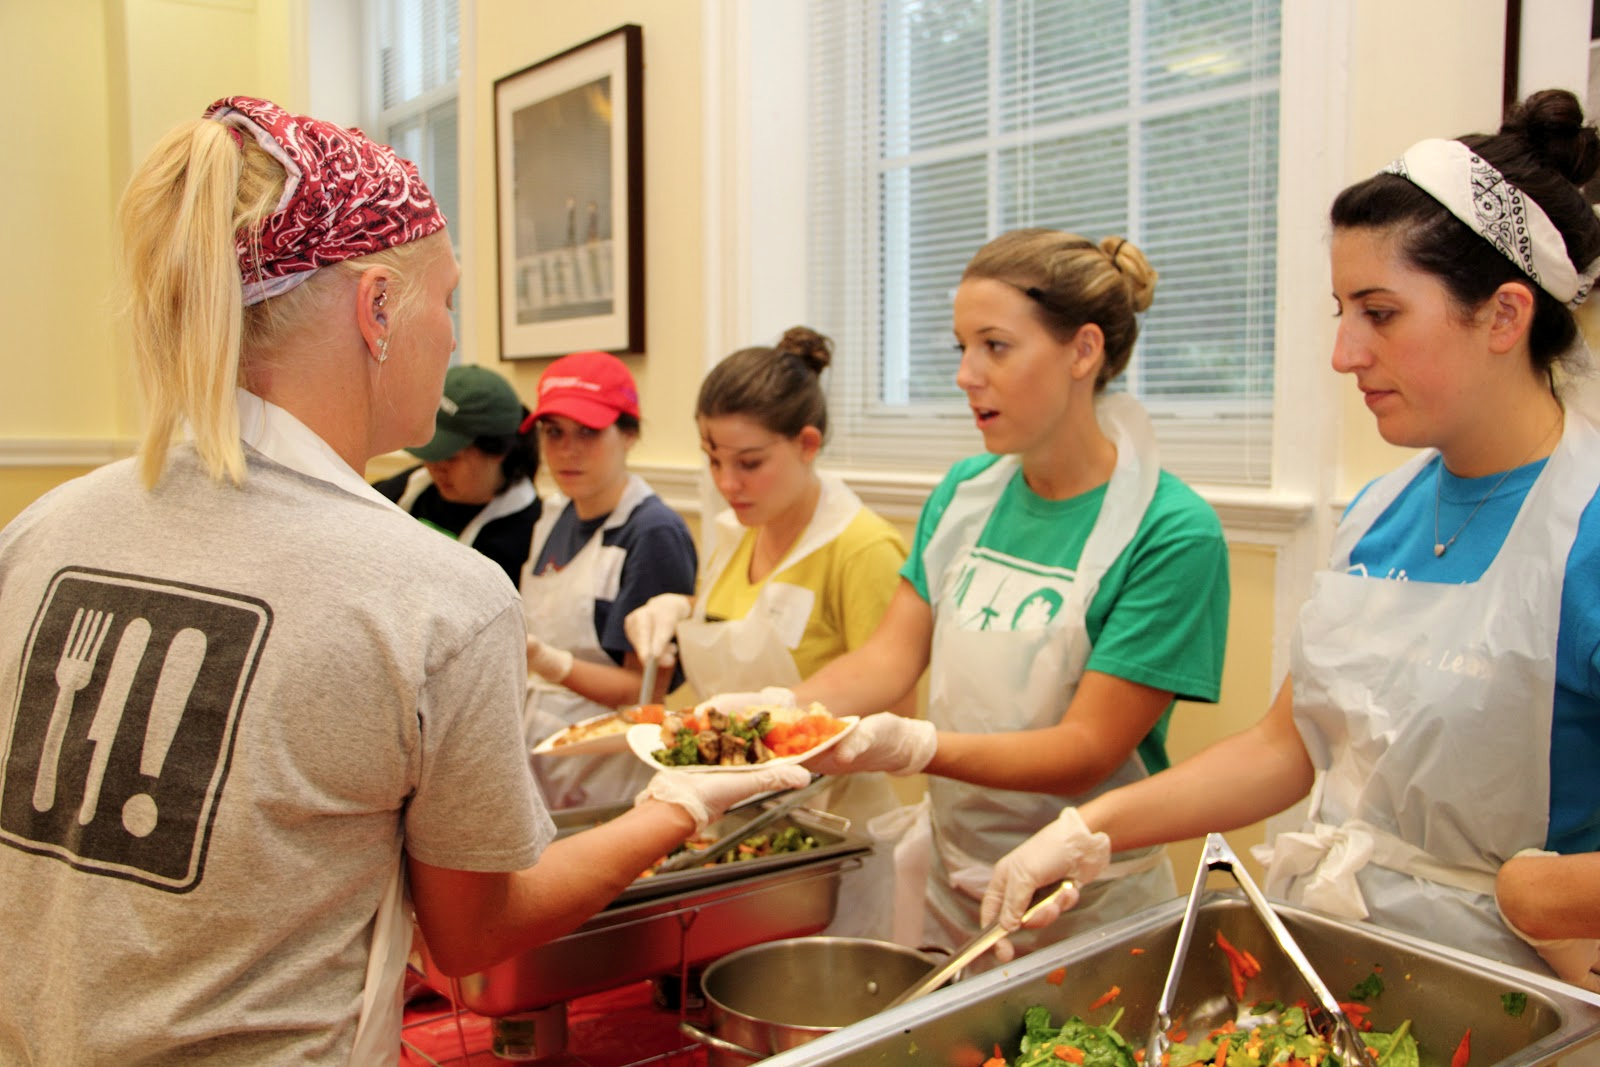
(647, 739)
(595, 736)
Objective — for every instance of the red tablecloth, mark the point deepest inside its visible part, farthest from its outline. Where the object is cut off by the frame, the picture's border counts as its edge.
(611, 1029)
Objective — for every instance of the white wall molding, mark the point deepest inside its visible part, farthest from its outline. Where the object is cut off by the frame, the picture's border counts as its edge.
(1248, 518)
(63, 451)
(677, 485)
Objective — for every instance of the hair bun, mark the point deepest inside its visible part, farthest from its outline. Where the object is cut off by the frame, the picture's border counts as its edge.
(1129, 261)
(1551, 122)
(813, 349)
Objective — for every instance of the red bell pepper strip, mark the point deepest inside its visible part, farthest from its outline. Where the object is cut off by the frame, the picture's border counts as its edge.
(1107, 997)
(1463, 1051)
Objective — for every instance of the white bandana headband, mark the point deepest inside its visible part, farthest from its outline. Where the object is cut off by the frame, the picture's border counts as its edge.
(1475, 192)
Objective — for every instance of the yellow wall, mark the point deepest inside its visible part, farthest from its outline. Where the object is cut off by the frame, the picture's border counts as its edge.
(88, 86)
(512, 34)
(59, 189)
(1424, 69)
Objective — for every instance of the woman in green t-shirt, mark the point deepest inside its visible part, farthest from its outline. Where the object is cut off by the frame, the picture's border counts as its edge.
(1062, 590)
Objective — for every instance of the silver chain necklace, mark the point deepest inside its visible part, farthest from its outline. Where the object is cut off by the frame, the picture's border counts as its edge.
(1440, 547)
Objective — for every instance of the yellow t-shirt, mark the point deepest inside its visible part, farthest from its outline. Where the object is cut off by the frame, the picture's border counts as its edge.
(854, 576)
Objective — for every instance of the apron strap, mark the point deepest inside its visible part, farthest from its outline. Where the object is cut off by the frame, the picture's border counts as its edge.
(512, 499)
(416, 484)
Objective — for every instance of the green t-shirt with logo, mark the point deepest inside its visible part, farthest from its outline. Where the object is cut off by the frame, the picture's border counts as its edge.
(1160, 616)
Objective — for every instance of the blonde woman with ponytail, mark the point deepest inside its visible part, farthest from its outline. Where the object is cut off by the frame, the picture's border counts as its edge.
(1062, 590)
(249, 702)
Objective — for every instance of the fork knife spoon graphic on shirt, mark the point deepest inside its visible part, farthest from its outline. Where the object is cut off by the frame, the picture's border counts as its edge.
(108, 716)
(73, 671)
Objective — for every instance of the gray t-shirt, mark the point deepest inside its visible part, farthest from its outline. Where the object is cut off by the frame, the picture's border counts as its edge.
(222, 718)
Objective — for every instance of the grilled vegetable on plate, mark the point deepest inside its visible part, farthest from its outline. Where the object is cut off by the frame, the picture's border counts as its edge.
(759, 735)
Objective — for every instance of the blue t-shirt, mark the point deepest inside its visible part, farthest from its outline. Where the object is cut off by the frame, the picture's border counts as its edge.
(659, 558)
(1399, 546)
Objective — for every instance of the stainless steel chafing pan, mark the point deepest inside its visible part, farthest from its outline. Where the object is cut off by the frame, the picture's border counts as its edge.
(662, 923)
(1441, 990)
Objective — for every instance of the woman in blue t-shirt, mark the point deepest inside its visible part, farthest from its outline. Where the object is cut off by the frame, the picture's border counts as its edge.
(1062, 590)
(1446, 669)
(604, 550)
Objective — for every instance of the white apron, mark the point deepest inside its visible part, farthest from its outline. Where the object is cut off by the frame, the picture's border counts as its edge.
(559, 610)
(999, 681)
(756, 651)
(1428, 708)
(510, 500)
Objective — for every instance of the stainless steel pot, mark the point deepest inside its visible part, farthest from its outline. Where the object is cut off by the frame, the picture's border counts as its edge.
(767, 998)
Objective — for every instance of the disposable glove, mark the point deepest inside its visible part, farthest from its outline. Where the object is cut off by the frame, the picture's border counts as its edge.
(1064, 849)
(1574, 959)
(707, 796)
(548, 662)
(727, 703)
(881, 742)
(650, 626)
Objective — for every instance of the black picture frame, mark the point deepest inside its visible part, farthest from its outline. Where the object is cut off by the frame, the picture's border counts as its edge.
(569, 200)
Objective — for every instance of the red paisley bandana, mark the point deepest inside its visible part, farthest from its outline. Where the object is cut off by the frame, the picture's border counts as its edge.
(345, 196)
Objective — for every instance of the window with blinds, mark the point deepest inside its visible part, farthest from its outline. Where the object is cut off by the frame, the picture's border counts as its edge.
(935, 125)
(418, 46)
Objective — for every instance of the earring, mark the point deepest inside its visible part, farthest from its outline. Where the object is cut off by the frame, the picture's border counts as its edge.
(383, 349)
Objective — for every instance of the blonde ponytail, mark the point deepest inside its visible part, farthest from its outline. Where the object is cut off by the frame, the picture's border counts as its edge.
(180, 278)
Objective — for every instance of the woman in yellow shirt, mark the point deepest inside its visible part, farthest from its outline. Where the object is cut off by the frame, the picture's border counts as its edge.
(800, 571)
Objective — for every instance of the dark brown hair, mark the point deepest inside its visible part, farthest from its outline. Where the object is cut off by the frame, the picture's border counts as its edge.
(1543, 148)
(778, 387)
(1074, 282)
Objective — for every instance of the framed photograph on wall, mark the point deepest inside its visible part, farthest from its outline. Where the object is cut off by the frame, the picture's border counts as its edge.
(569, 164)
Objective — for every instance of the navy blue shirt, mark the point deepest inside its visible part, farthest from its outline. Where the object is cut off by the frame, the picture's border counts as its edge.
(659, 558)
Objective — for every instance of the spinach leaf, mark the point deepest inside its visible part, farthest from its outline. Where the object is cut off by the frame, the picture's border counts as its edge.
(1370, 986)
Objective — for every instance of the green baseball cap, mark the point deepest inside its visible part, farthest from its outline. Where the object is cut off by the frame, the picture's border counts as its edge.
(477, 402)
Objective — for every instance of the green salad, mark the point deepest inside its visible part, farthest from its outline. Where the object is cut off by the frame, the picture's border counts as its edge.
(1267, 1035)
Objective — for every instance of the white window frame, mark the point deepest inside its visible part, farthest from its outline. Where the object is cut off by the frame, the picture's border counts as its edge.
(381, 120)
(754, 97)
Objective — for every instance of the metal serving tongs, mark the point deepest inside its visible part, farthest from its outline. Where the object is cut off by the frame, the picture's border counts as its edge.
(1347, 1044)
(975, 948)
(647, 684)
(786, 803)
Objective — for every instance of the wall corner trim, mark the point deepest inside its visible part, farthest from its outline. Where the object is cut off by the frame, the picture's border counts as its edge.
(63, 451)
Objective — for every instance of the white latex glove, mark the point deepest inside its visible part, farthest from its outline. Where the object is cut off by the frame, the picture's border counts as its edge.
(727, 703)
(650, 626)
(548, 662)
(707, 796)
(1064, 849)
(1574, 959)
(881, 742)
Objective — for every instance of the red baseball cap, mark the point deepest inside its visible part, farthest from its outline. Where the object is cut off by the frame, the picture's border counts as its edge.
(591, 388)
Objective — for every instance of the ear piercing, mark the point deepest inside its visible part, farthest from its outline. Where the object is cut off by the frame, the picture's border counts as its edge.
(383, 349)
